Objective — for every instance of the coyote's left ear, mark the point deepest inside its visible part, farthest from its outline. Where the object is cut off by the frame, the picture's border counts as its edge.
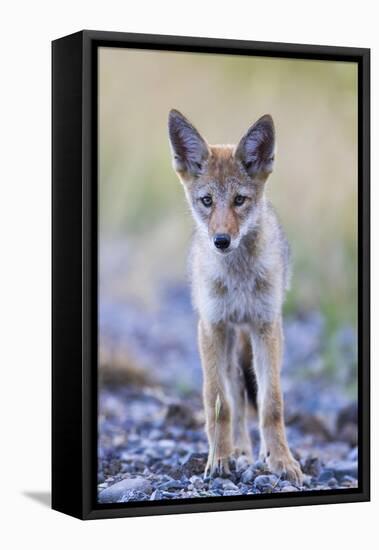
(256, 148)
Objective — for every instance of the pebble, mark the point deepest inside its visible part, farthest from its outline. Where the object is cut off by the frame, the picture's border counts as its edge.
(247, 476)
(217, 483)
(230, 486)
(116, 492)
(197, 482)
(242, 463)
(265, 481)
(259, 465)
(172, 484)
(307, 481)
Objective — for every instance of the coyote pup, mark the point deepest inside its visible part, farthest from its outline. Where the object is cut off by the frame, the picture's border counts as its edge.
(240, 272)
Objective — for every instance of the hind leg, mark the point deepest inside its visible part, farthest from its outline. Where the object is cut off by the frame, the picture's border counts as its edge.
(240, 355)
(241, 436)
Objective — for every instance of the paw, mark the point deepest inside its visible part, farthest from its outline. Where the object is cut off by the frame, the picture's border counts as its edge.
(286, 466)
(220, 467)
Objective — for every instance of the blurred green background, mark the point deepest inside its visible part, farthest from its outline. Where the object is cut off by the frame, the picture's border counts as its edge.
(314, 186)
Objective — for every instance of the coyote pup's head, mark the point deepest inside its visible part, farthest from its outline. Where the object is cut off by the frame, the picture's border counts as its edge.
(224, 184)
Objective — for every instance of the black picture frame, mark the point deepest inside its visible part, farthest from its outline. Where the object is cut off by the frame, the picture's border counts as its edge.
(74, 271)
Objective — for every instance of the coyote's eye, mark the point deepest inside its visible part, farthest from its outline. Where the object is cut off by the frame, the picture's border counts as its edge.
(207, 201)
(239, 200)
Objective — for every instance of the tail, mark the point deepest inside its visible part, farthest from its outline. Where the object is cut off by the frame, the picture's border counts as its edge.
(245, 360)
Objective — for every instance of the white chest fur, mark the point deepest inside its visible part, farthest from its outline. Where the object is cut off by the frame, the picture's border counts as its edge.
(237, 288)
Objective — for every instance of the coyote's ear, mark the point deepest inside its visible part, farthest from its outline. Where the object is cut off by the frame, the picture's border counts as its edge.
(256, 148)
(189, 149)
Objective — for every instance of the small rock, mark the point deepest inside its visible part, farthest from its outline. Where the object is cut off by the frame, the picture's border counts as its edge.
(117, 491)
(307, 481)
(230, 486)
(247, 476)
(242, 463)
(134, 495)
(265, 480)
(260, 465)
(217, 483)
(197, 482)
(171, 484)
(223, 483)
(284, 483)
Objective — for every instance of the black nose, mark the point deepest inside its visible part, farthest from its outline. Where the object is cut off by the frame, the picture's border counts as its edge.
(221, 240)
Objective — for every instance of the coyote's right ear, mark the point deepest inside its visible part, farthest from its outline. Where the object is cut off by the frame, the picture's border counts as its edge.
(189, 149)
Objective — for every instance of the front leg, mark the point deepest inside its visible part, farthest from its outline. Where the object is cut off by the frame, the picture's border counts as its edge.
(213, 352)
(268, 341)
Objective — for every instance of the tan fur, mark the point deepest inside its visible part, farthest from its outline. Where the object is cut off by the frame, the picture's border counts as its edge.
(238, 291)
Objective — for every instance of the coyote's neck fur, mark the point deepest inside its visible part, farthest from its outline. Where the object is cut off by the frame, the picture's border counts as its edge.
(247, 285)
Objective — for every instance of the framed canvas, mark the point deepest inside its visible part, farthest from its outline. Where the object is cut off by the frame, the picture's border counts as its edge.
(210, 302)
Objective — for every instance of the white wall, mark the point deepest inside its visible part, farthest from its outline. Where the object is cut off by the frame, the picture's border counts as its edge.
(27, 29)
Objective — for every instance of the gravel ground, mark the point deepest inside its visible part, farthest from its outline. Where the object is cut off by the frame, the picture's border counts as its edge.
(152, 443)
(152, 447)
